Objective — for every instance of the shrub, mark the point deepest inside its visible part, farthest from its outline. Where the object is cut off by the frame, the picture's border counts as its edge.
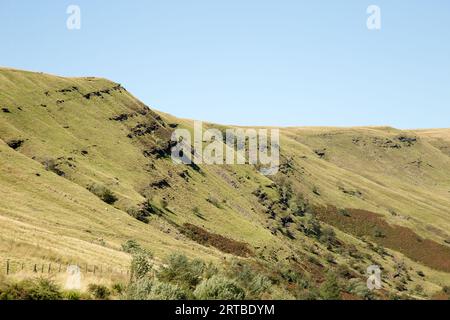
(181, 271)
(197, 212)
(209, 270)
(285, 190)
(99, 292)
(72, 295)
(310, 226)
(379, 233)
(249, 278)
(316, 191)
(164, 204)
(31, 289)
(219, 288)
(167, 291)
(420, 274)
(139, 289)
(330, 290)
(344, 212)
(446, 289)
(359, 289)
(140, 265)
(400, 286)
(131, 246)
(259, 285)
(353, 251)
(152, 289)
(329, 258)
(103, 193)
(300, 205)
(344, 271)
(289, 275)
(380, 250)
(52, 165)
(118, 288)
(215, 202)
(328, 236)
(150, 208)
(138, 214)
(418, 289)
(146, 210)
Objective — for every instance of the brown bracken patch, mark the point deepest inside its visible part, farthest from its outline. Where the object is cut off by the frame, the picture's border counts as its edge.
(362, 223)
(222, 243)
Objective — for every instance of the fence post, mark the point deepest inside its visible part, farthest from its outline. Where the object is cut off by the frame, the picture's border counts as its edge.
(59, 270)
(22, 266)
(42, 268)
(7, 267)
(49, 267)
(35, 268)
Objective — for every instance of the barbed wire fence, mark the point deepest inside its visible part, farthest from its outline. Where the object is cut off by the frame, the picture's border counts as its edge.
(11, 267)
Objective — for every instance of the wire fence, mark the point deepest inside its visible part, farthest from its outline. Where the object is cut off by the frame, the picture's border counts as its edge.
(11, 267)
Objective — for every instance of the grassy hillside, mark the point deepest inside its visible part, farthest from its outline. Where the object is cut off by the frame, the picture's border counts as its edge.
(85, 166)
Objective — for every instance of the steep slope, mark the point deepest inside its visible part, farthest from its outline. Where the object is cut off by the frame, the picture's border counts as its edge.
(68, 142)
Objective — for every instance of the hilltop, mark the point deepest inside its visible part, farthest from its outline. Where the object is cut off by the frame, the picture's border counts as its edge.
(85, 167)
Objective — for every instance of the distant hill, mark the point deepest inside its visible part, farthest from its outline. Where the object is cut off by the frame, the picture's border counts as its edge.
(85, 166)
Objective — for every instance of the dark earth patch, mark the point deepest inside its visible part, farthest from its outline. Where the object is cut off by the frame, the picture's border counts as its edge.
(362, 223)
(217, 241)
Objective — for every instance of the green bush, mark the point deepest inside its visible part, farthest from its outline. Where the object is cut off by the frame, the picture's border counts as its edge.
(219, 288)
(131, 246)
(150, 208)
(310, 226)
(418, 289)
(72, 295)
(103, 193)
(139, 289)
(167, 291)
(138, 214)
(300, 206)
(179, 270)
(99, 292)
(140, 265)
(330, 290)
(31, 289)
(379, 233)
(259, 285)
(248, 278)
(344, 271)
(328, 236)
(152, 289)
(118, 288)
(359, 289)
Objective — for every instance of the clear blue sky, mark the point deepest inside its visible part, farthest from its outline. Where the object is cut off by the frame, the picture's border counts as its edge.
(249, 62)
